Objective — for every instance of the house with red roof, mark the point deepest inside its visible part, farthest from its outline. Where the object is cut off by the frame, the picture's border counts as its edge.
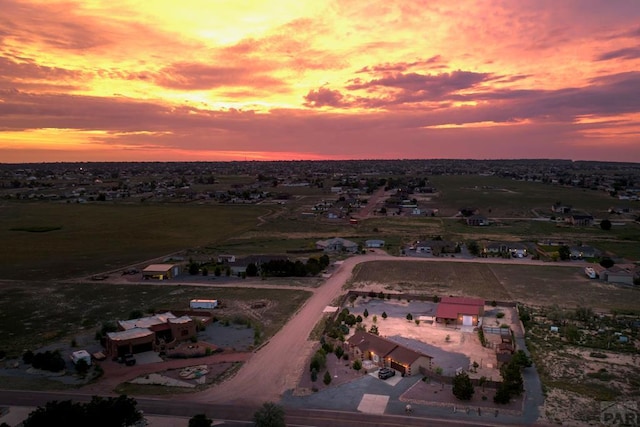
(460, 311)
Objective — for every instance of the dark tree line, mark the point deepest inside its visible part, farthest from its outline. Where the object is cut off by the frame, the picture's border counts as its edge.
(287, 268)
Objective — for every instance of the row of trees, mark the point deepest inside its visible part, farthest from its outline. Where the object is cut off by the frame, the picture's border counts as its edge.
(122, 412)
(511, 386)
(287, 268)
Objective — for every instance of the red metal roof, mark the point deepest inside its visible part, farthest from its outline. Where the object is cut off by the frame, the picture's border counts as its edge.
(452, 307)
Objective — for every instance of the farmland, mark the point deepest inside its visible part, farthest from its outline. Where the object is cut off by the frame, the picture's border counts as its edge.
(87, 238)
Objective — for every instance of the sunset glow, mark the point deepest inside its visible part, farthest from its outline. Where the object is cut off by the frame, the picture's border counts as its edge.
(289, 80)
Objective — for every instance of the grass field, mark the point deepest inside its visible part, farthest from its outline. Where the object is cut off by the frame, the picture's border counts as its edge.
(532, 285)
(92, 238)
(33, 314)
(502, 197)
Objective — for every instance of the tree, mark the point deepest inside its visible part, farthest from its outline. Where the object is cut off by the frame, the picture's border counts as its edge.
(252, 270)
(366, 313)
(269, 415)
(200, 420)
(384, 315)
(82, 367)
(474, 248)
(194, 268)
(564, 252)
(605, 224)
(409, 317)
(99, 412)
(318, 361)
(374, 330)
(521, 359)
(462, 387)
(502, 395)
(327, 378)
(607, 262)
(357, 364)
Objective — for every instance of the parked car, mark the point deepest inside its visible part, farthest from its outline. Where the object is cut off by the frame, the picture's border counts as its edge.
(385, 373)
(128, 359)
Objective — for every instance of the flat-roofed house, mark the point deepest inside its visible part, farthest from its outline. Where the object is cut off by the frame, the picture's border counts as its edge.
(147, 333)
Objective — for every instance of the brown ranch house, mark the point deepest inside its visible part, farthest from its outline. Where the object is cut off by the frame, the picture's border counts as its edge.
(385, 353)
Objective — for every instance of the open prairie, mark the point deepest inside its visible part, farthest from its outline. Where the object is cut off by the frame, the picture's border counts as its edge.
(528, 284)
(36, 313)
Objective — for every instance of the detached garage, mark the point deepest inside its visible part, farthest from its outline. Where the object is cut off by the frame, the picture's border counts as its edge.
(161, 271)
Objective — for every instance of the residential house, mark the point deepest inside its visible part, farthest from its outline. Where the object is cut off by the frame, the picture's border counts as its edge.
(435, 247)
(560, 208)
(239, 266)
(226, 259)
(374, 243)
(581, 252)
(337, 244)
(477, 220)
(149, 334)
(621, 273)
(580, 220)
(515, 249)
(460, 311)
(383, 352)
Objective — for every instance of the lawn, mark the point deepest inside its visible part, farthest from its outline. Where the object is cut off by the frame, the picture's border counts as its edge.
(79, 239)
(33, 314)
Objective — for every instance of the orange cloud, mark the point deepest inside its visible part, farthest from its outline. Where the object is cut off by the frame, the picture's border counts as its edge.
(325, 79)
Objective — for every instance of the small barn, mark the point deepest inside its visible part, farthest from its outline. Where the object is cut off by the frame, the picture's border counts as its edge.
(460, 311)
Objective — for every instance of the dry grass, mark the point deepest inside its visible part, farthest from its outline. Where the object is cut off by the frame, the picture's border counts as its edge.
(532, 285)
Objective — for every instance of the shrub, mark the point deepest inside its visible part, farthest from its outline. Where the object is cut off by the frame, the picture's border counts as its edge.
(500, 315)
(327, 378)
(314, 375)
(462, 387)
(357, 364)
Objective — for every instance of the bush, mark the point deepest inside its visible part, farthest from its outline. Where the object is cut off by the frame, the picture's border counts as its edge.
(462, 387)
(327, 378)
(357, 364)
(500, 315)
(314, 375)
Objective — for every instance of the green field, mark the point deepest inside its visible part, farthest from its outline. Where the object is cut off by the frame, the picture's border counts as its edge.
(502, 197)
(34, 314)
(91, 238)
(531, 285)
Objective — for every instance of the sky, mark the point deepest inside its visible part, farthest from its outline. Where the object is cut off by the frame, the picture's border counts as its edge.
(222, 80)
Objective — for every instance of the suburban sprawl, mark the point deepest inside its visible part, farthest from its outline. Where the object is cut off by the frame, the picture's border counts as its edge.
(483, 292)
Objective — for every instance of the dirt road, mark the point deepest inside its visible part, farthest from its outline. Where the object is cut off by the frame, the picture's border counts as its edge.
(277, 366)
